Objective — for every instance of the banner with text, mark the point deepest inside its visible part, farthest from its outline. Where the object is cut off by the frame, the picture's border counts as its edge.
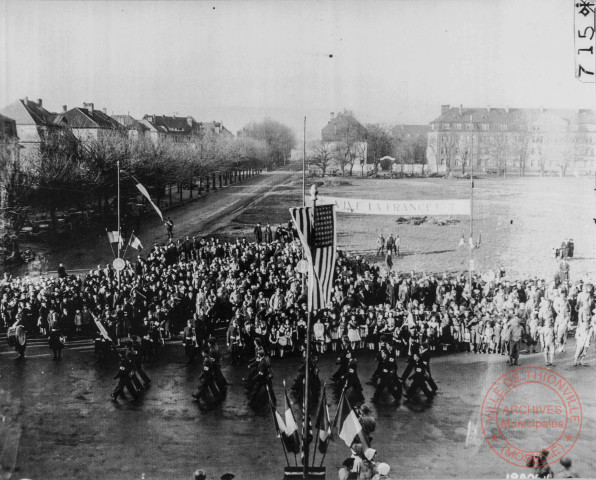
(402, 208)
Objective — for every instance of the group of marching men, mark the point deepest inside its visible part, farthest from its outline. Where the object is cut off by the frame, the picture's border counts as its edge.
(385, 376)
(130, 373)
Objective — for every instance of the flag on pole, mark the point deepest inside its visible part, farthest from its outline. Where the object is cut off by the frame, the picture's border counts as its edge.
(348, 425)
(322, 423)
(145, 193)
(291, 437)
(134, 242)
(114, 237)
(102, 330)
(319, 245)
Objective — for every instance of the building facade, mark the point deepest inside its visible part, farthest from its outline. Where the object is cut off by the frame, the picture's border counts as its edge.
(514, 141)
(87, 122)
(32, 122)
(345, 136)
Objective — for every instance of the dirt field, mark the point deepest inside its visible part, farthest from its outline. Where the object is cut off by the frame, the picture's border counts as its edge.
(520, 221)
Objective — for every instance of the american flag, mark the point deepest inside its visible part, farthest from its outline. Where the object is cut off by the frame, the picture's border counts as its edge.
(319, 244)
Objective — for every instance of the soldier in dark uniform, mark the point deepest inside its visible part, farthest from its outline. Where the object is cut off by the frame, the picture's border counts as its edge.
(207, 379)
(425, 357)
(262, 380)
(233, 341)
(315, 382)
(375, 376)
(189, 340)
(55, 341)
(414, 349)
(418, 378)
(343, 361)
(215, 354)
(387, 377)
(352, 384)
(135, 356)
(123, 377)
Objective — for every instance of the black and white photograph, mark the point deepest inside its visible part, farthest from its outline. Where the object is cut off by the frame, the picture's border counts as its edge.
(266, 240)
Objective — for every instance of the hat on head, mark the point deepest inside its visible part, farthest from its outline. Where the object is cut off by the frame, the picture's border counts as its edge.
(364, 408)
(370, 454)
(566, 462)
(227, 476)
(383, 469)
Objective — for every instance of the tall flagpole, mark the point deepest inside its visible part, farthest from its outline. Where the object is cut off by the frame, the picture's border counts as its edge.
(304, 187)
(305, 447)
(119, 232)
(471, 241)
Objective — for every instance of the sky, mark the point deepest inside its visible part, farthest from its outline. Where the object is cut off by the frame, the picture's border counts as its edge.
(386, 61)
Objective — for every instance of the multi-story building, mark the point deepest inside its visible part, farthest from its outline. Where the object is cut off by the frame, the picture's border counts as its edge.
(519, 141)
(88, 122)
(171, 128)
(32, 122)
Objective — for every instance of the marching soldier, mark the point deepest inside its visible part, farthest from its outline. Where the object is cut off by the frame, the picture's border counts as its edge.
(375, 376)
(425, 357)
(262, 379)
(56, 341)
(124, 379)
(215, 354)
(207, 379)
(352, 383)
(387, 378)
(418, 378)
(315, 382)
(233, 340)
(189, 340)
(135, 356)
(343, 361)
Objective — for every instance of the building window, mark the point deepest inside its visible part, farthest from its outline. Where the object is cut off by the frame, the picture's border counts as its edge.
(470, 126)
(503, 127)
(484, 126)
(458, 126)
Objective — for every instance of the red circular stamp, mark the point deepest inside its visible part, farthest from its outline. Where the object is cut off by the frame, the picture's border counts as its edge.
(529, 410)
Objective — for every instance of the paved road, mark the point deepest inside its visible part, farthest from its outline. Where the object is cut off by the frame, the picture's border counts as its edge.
(199, 217)
(61, 417)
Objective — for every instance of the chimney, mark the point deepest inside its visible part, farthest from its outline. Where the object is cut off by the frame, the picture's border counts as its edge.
(445, 109)
(105, 111)
(64, 109)
(488, 108)
(541, 109)
(189, 121)
(507, 109)
(26, 100)
(88, 106)
(332, 114)
(461, 109)
(39, 102)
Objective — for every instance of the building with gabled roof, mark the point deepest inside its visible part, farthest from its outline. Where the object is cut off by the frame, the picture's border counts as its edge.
(87, 122)
(134, 128)
(172, 128)
(32, 122)
(513, 140)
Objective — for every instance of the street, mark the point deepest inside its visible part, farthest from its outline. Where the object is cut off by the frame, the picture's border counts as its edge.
(70, 427)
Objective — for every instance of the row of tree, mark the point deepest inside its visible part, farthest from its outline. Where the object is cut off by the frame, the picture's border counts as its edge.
(68, 172)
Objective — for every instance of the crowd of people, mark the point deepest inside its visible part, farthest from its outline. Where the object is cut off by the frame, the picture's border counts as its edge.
(253, 293)
(252, 290)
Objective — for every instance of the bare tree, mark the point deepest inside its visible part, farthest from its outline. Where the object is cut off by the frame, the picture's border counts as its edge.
(322, 156)
(498, 150)
(521, 146)
(465, 150)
